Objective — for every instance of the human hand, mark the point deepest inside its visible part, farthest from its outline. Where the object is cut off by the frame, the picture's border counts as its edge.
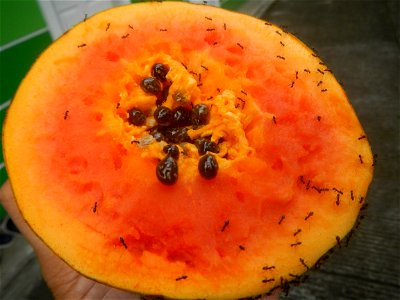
(63, 281)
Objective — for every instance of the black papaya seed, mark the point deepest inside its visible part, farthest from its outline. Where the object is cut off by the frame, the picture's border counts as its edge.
(208, 166)
(181, 116)
(176, 135)
(136, 117)
(172, 150)
(157, 134)
(151, 85)
(160, 71)
(167, 170)
(203, 145)
(200, 114)
(211, 146)
(163, 116)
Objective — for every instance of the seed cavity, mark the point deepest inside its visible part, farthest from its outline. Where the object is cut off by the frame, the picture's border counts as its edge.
(174, 124)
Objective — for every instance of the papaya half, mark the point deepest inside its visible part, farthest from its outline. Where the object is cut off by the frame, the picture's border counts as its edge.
(185, 151)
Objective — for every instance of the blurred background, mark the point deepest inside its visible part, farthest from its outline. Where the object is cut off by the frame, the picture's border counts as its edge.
(357, 39)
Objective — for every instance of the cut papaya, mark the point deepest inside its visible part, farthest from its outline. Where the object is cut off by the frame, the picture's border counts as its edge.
(185, 151)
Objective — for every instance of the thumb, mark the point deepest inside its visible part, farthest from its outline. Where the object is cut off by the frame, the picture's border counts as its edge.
(8, 201)
(50, 263)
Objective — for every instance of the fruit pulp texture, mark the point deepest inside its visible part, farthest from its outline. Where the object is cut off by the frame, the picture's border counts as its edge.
(280, 130)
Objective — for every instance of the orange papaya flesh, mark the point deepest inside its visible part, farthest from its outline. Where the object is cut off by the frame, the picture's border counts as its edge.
(294, 164)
